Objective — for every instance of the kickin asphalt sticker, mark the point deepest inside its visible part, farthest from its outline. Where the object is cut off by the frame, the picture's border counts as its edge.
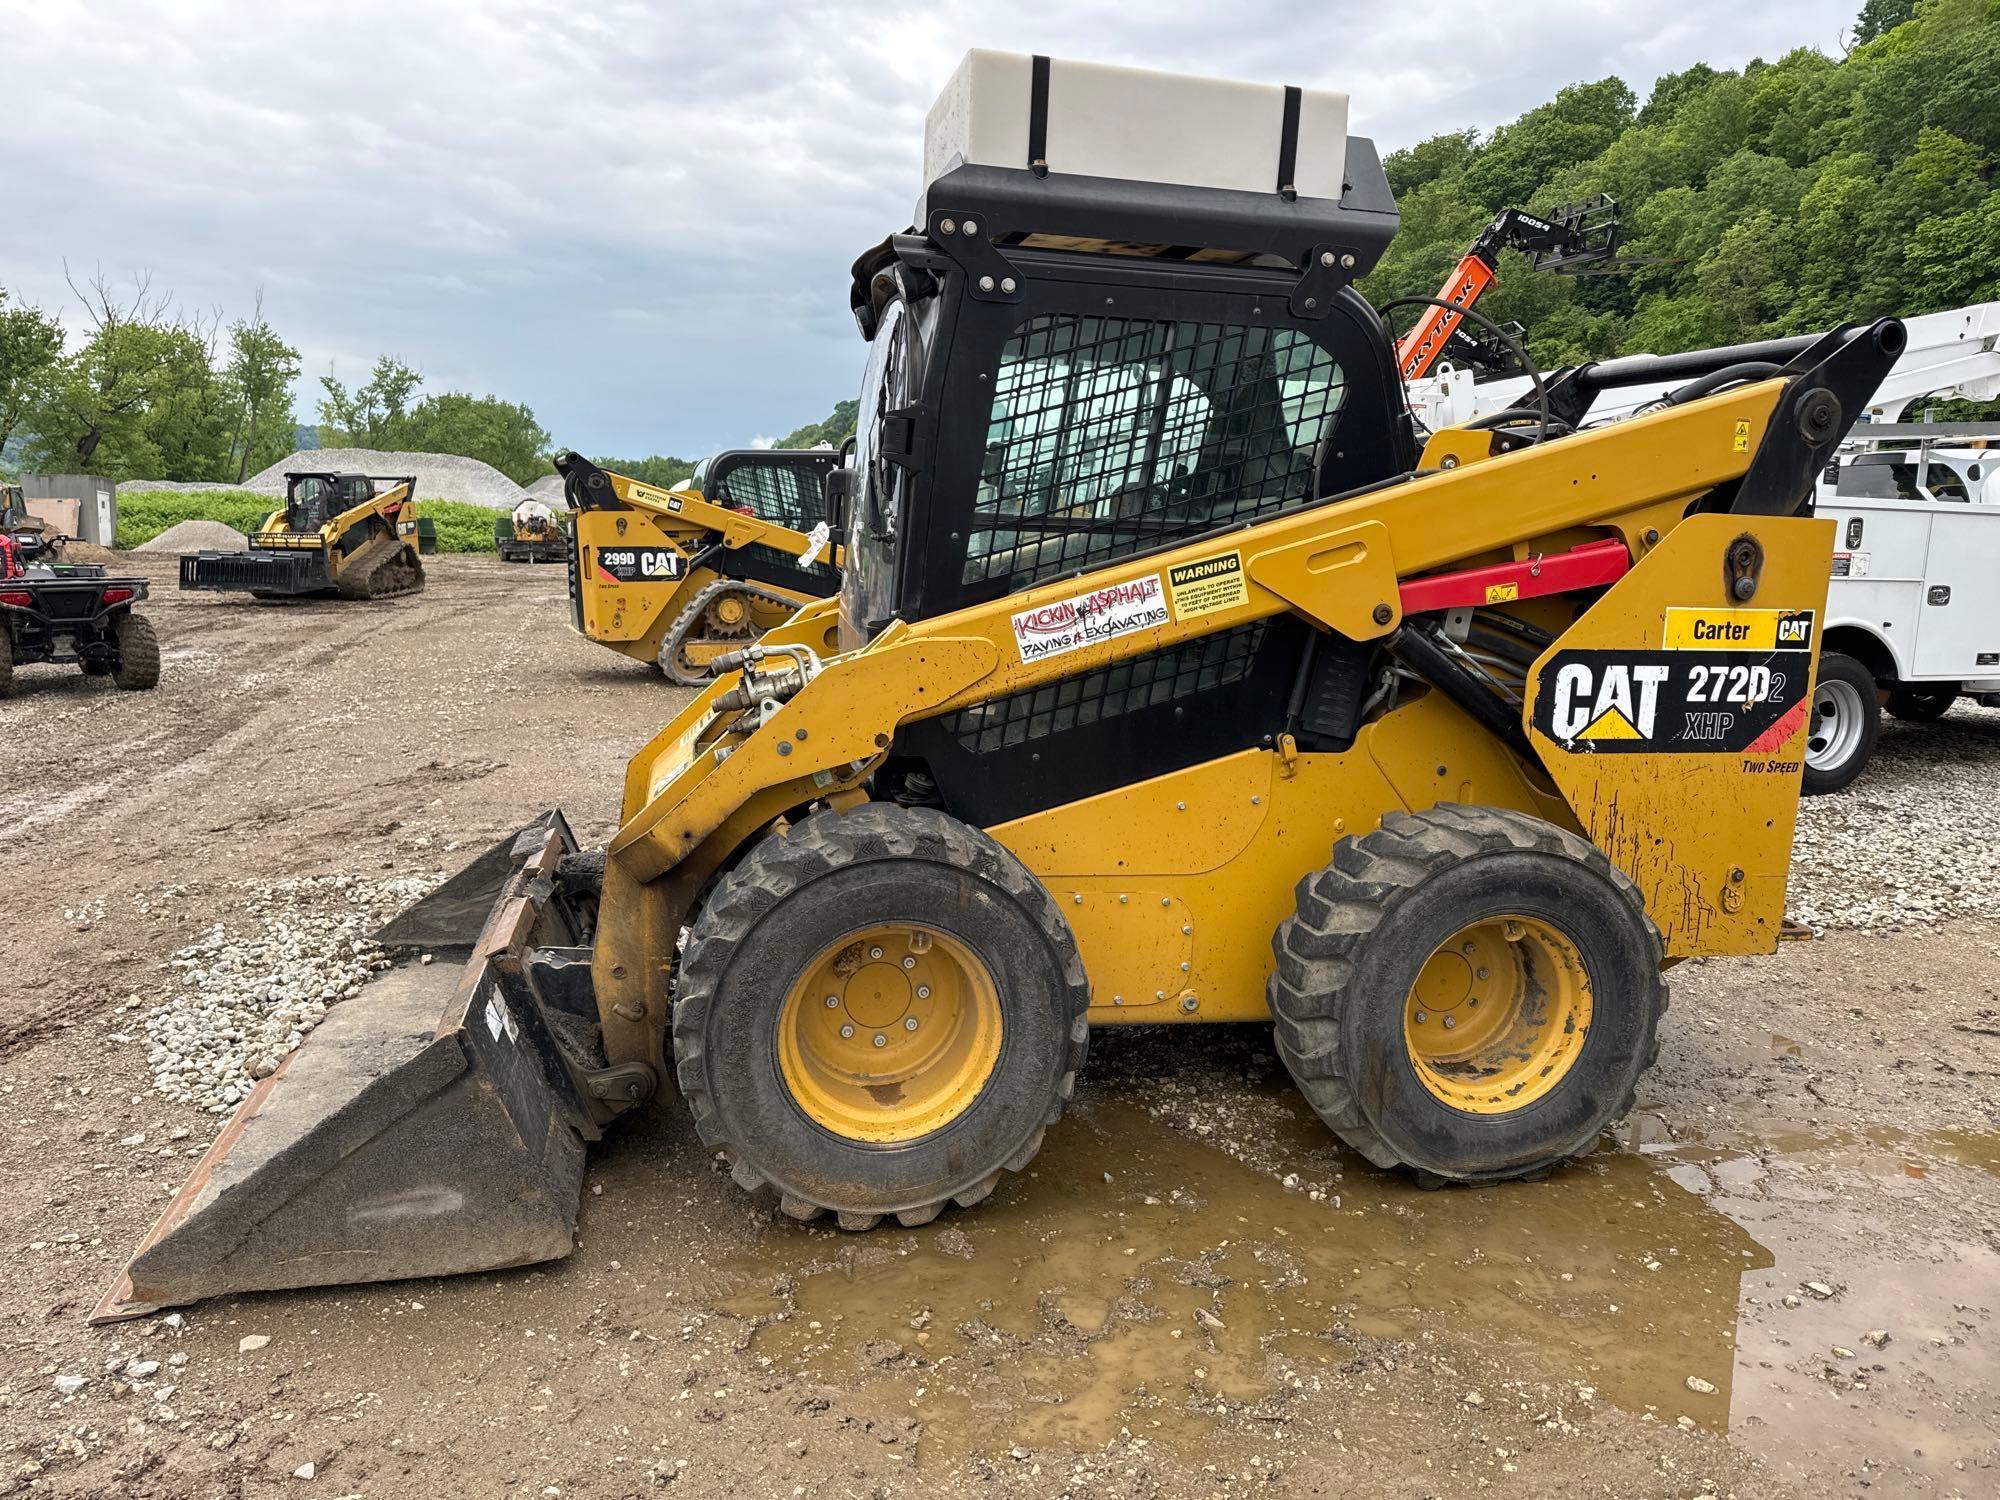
(1715, 702)
(1065, 625)
(1213, 583)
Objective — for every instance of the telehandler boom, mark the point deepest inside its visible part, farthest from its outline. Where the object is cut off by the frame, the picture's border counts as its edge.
(1167, 683)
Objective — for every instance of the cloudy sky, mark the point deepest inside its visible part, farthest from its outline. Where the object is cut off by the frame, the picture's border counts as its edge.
(638, 218)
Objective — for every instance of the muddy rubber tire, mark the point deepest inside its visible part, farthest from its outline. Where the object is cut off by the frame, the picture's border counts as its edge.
(1364, 928)
(6, 662)
(1921, 705)
(796, 893)
(1851, 686)
(138, 654)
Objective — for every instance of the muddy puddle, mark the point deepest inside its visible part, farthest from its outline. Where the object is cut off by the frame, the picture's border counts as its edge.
(1142, 1282)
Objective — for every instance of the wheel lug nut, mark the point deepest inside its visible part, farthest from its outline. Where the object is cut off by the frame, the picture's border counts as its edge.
(847, 1031)
(909, 963)
(910, 1023)
(1484, 973)
(833, 1002)
(874, 952)
(881, 1040)
(1423, 1016)
(1449, 1022)
(923, 992)
(1468, 947)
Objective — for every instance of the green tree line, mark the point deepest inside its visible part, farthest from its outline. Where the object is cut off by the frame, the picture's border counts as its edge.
(1784, 198)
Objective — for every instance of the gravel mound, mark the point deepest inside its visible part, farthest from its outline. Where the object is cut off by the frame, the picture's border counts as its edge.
(251, 994)
(1911, 842)
(176, 486)
(440, 476)
(549, 487)
(193, 536)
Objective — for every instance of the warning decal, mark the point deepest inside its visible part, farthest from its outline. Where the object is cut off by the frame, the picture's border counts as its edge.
(1738, 630)
(1065, 625)
(1201, 588)
(1678, 701)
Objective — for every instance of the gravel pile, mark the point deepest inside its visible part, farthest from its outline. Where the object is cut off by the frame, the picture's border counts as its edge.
(440, 476)
(549, 487)
(193, 536)
(1913, 841)
(248, 994)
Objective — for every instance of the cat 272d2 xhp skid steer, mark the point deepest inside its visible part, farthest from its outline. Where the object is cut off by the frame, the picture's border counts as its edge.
(1169, 684)
(678, 577)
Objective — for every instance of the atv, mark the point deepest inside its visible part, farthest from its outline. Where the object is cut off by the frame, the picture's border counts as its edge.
(59, 612)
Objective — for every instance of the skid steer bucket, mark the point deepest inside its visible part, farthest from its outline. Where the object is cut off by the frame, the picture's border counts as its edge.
(432, 1124)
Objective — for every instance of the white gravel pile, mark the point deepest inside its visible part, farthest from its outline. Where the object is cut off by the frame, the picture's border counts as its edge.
(1915, 840)
(549, 487)
(193, 536)
(440, 476)
(249, 993)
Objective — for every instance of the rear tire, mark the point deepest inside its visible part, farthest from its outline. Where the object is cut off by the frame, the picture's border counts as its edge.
(138, 653)
(6, 661)
(1922, 705)
(847, 1108)
(1846, 718)
(1382, 969)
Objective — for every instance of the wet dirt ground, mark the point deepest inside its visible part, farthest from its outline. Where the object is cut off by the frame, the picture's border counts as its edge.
(1780, 1277)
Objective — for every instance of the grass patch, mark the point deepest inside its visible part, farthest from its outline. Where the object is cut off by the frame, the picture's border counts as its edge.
(144, 514)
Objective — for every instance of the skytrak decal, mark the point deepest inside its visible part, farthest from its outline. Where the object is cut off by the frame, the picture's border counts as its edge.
(1716, 702)
(1065, 625)
(1202, 588)
(1738, 630)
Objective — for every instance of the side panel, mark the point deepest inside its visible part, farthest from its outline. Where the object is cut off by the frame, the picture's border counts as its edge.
(632, 576)
(1958, 631)
(1175, 886)
(1879, 550)
(1673, 716)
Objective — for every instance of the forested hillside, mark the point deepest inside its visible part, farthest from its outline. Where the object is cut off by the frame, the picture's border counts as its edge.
(1783, 198)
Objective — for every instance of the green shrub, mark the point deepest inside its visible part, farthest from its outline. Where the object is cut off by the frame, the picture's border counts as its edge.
(144, 514)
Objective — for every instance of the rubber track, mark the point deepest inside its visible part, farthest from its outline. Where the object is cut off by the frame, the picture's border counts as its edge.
(363, 585)
(781, 864)
(1340, 906)
(677, 634)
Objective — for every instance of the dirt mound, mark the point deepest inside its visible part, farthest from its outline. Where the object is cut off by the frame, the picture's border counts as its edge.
(440, 476)
(194, 536)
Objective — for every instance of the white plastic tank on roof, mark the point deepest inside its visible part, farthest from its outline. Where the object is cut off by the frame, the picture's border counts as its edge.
(1136, 124)
(533, 513)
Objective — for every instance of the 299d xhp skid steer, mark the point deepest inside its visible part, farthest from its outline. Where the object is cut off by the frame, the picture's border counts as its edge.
(1168, 683)
(679, 577)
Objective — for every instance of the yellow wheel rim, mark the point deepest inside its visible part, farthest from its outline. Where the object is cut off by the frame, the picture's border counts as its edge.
(890, 1034)
(1498, 1014)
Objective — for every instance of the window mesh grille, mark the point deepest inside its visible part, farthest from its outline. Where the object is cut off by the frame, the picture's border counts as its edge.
(786, 493)
(1143, 682)
(1112, 434)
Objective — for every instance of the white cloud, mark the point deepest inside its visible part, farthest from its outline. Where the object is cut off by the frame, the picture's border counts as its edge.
(638, 218)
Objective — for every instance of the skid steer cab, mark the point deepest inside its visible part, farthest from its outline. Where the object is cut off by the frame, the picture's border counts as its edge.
(344, 536)
(679, 577)
(1168, 683)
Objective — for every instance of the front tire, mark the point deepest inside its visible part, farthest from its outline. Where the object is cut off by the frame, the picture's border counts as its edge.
(1846, 718)
(1468, 991)
(803, 974)
(138, 654)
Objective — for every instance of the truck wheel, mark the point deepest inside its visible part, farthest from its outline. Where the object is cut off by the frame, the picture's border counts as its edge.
(1846, 718)
(877, 1013)
(138, 653)
(1922, 705)
(1468, 991)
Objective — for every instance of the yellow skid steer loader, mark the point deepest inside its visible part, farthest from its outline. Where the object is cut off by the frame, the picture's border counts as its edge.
(350, 536)
(1168, 683)
(678, 577)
